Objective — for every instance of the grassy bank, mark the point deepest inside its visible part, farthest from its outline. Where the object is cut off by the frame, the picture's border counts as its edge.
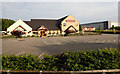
(107, 31)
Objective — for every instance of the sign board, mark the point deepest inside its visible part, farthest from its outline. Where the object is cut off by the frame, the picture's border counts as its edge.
(70, 20)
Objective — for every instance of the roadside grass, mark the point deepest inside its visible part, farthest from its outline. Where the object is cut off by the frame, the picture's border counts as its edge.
(107, 31)
(9, 36)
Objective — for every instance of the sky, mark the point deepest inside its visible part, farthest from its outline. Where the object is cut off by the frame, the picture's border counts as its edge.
(84, 12)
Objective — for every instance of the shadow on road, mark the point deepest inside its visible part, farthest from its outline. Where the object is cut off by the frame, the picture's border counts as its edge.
(74, 47)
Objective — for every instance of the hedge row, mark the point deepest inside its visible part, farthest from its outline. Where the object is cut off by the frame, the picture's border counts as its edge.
(75, 61)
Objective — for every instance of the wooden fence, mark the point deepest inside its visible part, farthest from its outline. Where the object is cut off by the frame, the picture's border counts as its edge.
(61, 72)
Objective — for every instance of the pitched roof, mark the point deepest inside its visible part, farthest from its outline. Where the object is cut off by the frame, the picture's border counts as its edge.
(48, 23)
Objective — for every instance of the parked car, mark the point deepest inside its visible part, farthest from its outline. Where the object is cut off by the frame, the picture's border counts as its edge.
(4, 32)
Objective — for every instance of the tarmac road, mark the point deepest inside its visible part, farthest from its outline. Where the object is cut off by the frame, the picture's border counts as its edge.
(57, 45)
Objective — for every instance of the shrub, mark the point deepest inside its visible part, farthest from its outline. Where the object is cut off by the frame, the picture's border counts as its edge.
(33, 36)
(28, 36)
(69, 61)
(40, 35)
(66, 34)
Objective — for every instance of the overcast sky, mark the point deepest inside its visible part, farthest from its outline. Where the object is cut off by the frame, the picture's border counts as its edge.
(83, 11)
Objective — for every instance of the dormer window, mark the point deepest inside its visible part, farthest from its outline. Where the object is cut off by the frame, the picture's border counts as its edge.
(64, 24)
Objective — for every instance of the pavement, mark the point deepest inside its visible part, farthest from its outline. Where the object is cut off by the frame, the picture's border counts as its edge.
(57, 45)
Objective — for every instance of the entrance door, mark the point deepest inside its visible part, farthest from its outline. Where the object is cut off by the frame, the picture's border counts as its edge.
(41, 33)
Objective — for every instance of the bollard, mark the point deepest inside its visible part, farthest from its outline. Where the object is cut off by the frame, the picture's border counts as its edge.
(8, 71)
(103, 72)
(40, 72)
(71, 72)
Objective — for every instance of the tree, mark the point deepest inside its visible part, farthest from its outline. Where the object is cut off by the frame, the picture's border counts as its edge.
(116, 27)
(80, 28)
(113, 27)
(6, 23)
(99, 29)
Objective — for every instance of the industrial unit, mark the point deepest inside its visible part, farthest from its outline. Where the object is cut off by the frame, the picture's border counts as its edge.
(103, 25)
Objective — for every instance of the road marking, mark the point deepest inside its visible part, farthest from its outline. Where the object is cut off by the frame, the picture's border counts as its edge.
(45, 42)
(75, 40)
(58, 43)
(114, 40)
(51, 43)
(97, 41)
(91, 42)
(54, 43)
(20, 53)
(109, 41)
(103, 41)
(40, 55)
(65, 37)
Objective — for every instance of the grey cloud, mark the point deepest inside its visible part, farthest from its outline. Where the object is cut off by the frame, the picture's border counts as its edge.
(82, 11)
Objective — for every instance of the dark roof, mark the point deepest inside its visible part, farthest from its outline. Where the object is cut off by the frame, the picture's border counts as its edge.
(94, 23)
(48, 23)
(61, 19)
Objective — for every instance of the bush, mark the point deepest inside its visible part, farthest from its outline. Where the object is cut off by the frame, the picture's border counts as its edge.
(9, 36)
(28, 36)
(69, 61)
(66, 34)
(26, 62)
(33, 36)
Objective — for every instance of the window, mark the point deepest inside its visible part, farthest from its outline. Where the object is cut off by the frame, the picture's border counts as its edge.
(64, 24)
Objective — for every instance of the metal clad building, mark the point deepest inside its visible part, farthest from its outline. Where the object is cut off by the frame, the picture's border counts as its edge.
(104, 25)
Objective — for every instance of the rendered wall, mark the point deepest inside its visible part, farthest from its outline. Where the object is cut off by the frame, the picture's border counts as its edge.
(19, 23)
(74, 24)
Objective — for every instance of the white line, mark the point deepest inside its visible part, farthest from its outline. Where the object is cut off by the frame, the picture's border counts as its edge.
(20, 53)
(45, 42)
(65, 37)
(109, 41)
(103, 41)
(41, 55)
(114, 40)
(54, 43)
(51, 43)
(75, 40)
(91, 42)
(97, 41)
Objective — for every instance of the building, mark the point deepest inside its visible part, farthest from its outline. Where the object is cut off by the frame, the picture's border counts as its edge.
(104, 25)
(88, 28)
(115, 24)
(45, 27)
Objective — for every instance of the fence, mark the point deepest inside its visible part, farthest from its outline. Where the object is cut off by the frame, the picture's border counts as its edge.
(117, 71)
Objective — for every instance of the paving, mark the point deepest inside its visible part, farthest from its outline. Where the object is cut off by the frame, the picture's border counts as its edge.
(57, 45)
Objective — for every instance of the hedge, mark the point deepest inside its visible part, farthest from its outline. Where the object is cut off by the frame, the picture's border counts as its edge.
(68, 61)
